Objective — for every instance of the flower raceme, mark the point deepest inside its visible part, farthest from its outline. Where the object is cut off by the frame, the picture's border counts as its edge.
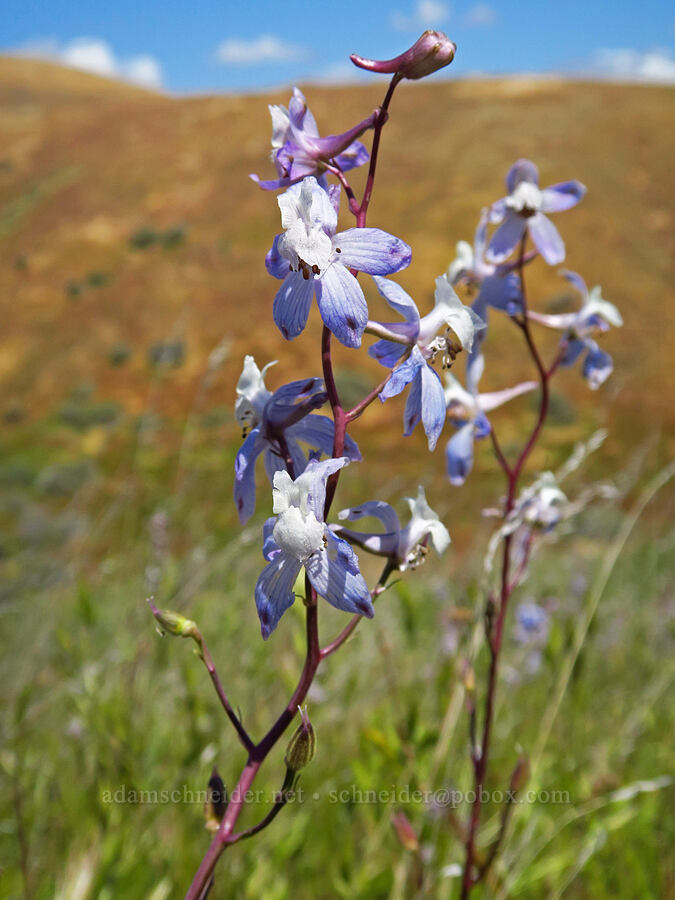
(298, 151)
(418, 341)
(297, 537)
(312, 259)
(273, 424)
(407, 546)
(523, 210)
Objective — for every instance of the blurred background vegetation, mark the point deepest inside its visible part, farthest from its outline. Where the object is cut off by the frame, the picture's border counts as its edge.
(132, 283)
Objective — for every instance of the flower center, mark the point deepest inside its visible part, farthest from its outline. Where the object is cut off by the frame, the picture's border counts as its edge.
(299, 534)
(447, 347)
(526, 199)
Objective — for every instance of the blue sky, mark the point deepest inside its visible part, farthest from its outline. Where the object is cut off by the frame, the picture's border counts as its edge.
(232, 46)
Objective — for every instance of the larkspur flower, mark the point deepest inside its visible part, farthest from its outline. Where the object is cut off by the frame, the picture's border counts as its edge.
(418, 340)
(524, 210)
(541, 505)
(596, 315)
(532, 624)
(466, 409)
(407, 546)
(273, 424)
(312, 259)
(297, 537)
(298, 151)
(498, 286)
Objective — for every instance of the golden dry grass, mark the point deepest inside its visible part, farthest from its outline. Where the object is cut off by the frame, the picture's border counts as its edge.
(87, 161)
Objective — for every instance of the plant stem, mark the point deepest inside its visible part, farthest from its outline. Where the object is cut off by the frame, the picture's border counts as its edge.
(257, 753)
(207, 659)
(379, 125)
(494, 634)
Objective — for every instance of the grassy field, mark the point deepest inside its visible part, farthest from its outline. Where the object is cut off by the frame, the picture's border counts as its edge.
(131, 246)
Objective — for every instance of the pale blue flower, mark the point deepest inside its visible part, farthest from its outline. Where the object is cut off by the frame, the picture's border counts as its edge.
(407, 545)
(498, 286)
(595, 316)
(524, 210)
(298, 151)
(312, 259)
(274, 424)
(298, 536)
(418, 339)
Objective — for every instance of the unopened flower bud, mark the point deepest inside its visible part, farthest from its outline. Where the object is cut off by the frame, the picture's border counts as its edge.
(430, 52)
(302, 745)
(171, 622)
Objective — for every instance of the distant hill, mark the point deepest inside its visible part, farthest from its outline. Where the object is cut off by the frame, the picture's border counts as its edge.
(127, 219)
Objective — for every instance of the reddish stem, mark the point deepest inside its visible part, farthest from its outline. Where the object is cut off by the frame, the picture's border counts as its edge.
(495, 632)
(377, 128)
(258, 752)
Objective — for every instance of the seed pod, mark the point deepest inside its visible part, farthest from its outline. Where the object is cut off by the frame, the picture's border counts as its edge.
(302, 745)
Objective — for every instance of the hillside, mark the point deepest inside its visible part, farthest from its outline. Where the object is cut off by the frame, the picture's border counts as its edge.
(127, 219)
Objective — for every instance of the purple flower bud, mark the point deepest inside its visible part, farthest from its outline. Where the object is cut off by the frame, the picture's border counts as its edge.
(432, 51)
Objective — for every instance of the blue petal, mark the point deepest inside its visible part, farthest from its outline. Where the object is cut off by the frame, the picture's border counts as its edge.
(546, 238)
(274, 591)
(387, 353)
(318, 431)
(299, 114)
(244, 475)
(355, 155)
(559, 197)
(482, 427)
(521, 170)
(342, 305)
(433, 405)
(506, 238)
(397, 298)
(403, 375)
(272, 185)
(293, 402)
(315, 476)
(459, 454)
(291, 304)
(270, 546)
(597, 368)
(576, 280)
(372, 250)
(413, 405)
(275, 264)
(334, 575)
(274, 462)
(501, 292)
(378, 509)
(573, 351)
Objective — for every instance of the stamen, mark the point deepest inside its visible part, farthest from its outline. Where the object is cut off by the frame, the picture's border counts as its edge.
(418, 556)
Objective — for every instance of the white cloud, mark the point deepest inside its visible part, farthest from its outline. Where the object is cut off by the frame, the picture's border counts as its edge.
(96, 55)
(426, 14)
(264, 49)
(482, 15)
(655, 66)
